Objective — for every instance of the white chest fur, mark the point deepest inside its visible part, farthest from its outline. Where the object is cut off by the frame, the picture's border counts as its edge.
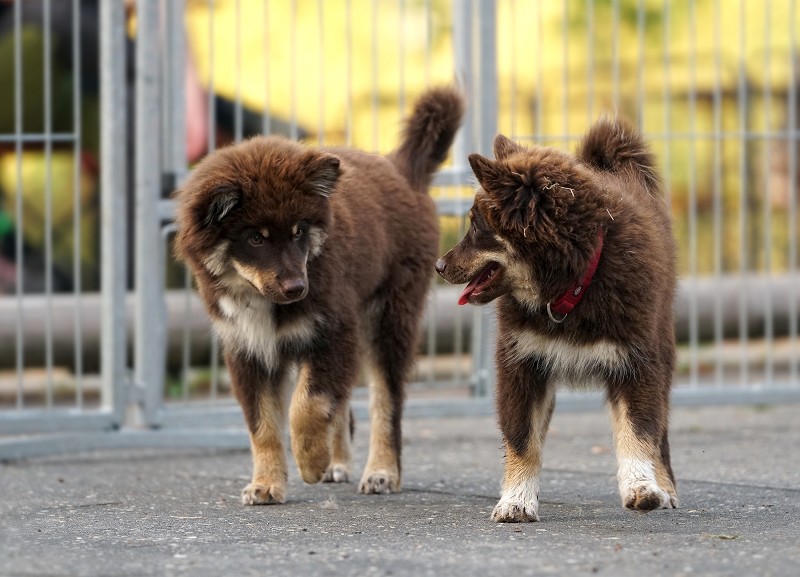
(574, 364)
(248, 326)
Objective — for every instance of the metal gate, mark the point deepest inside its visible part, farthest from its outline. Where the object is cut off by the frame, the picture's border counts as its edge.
(45, 408)
(97, 363)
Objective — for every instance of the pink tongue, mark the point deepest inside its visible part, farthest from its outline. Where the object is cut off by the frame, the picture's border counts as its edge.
(468, 290)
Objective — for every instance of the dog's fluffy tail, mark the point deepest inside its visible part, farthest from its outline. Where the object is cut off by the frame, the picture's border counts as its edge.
(615, 145)
(428, 134)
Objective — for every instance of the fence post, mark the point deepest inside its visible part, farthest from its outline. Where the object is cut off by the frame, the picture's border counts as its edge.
(485, 91)
(150, 310)
(174, 94)
(114, 208)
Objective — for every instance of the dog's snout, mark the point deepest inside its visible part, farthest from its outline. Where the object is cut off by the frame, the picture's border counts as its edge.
(440, 265)
(293, 288)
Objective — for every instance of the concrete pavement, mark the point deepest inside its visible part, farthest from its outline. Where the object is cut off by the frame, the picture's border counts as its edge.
(169, 512)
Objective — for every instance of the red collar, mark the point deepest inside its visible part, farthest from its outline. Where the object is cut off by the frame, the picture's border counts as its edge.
(564, 304)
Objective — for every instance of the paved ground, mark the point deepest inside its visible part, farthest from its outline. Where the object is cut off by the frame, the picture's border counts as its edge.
(177, 513)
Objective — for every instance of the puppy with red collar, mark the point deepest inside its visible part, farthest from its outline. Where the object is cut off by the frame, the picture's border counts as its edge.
(578, 254)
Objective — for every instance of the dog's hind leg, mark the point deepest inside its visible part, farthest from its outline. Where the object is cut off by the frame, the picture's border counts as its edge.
(392, 339)
(382, 472)
(261, 396)
(525, 403)
(339, 469)
(640, 417)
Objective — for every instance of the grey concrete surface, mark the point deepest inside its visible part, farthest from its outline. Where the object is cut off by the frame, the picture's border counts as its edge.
(168, 512)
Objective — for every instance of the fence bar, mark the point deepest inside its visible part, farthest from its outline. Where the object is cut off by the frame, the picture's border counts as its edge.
(18, 253)
(48, 198)
(177, 53)
(374, 85)
(348, 39)
(565, 69)
(401, 59)
(238, 129)
(55, 420)
(483, 337)
(33, 138)
(743, 89)
(640, 65)
(767, 209)
(294, 132)
(589, 9)
(76, 200)
(487, 66)
(321, 78)
(462, 50)
(212, 144)
(212, 104)
(717, 190)
(693, 340)
(540, 74)
(615, 64)
(148, 349)
(428, 41)
(792, 136)
(465, 141)
(113, 180)
(665, 48)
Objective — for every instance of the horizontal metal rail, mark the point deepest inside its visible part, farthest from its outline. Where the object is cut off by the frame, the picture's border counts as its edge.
(223, 427)
(706, 292)
(39, 138)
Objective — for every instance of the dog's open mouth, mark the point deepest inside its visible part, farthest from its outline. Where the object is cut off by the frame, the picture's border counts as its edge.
(480, 282)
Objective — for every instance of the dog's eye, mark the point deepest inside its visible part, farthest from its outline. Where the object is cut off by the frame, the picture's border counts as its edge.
(256, 239)
(299, 230)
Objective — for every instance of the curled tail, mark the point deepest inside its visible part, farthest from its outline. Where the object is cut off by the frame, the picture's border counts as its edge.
(615, 145)
(428, 134)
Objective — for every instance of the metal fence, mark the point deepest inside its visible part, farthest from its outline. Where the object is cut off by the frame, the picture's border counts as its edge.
(104, 342)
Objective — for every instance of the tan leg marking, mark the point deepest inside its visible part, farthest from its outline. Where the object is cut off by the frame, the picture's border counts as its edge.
(339, 469)
(382, 473)
(643, 481)
(268, 485)
(519, 498)
(311, 423)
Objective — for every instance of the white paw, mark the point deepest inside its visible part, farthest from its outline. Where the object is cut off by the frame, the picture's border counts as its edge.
(379, 482)
(336, 473)
(646, 496)
(515, 511)
(638, 487)
(518, 503)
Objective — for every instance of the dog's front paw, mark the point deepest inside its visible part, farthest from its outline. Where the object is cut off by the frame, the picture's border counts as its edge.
(263, 494)
(313, 456)
(313, 468)
(337, 473)
(515, 511)
(380, 482)
(646, 496)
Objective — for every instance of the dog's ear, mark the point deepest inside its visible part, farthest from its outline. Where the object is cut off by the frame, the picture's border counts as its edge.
(505, 147)
(223, 201)
(510, 197)
(493, 175)
(322, 172)
(486, 171)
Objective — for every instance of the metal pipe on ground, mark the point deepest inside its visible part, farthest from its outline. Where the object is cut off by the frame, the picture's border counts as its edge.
(781, 291)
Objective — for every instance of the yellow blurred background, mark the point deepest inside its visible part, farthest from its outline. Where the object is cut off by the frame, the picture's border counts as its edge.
(709, 81)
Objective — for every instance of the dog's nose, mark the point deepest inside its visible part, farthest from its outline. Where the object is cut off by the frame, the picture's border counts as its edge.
(293, 287)
(440, 265)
